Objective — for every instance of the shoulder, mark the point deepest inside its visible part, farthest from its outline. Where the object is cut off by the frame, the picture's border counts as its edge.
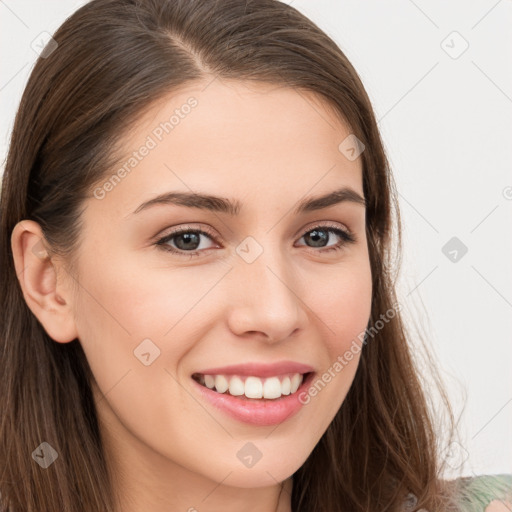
(484, 493)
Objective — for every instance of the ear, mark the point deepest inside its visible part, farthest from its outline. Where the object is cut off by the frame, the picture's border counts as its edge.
(48, 298)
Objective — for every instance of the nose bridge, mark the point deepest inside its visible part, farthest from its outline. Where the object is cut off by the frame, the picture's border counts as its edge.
(265, 297)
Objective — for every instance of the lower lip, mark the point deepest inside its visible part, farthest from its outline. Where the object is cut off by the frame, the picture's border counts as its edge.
(257, 411)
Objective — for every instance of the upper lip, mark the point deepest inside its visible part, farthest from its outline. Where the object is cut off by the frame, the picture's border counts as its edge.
(259, 369)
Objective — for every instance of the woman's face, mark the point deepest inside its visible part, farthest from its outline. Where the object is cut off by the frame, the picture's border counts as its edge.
(261, 286)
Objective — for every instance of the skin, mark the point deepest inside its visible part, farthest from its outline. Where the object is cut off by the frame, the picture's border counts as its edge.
(499, 506)
(267, 147)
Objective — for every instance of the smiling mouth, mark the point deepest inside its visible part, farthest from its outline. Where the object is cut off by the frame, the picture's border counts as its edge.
(252, 387)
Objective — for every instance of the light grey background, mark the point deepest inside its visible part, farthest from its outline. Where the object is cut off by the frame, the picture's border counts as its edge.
(445, 116)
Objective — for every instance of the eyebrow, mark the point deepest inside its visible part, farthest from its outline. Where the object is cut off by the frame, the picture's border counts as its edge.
(233, 208)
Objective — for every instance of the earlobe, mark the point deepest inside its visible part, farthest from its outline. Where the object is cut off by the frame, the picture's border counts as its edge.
(46, 296)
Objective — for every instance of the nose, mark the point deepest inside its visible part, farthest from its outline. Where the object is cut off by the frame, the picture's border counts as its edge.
(266, 301)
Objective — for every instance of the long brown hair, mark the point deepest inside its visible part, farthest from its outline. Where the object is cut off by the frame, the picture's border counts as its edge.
(115, 57)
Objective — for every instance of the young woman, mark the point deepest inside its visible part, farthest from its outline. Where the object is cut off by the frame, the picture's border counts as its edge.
(264, 368)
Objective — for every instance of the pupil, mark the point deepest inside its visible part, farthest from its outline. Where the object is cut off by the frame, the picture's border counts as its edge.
(318, 235)
(189, 237)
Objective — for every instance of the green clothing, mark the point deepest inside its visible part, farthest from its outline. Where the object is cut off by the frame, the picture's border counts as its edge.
(475, 493)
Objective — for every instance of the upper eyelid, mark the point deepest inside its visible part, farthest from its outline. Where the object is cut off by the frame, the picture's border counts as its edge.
(186, 228)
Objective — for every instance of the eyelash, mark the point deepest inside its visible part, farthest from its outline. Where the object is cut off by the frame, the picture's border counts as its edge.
(346, 236)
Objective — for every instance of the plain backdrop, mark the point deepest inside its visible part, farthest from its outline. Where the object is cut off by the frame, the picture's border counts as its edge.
(440, 79)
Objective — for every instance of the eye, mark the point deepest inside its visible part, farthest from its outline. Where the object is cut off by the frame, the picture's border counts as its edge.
(320, 234)
(187, 240)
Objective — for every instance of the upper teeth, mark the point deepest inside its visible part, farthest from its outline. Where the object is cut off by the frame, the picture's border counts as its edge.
(253, 387)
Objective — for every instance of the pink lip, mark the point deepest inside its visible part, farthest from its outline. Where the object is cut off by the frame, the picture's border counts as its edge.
(260, 370)
(261, 412)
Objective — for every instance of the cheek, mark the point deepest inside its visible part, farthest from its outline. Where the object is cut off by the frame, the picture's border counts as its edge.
(348, 313)
(345, 305)
(124, 314)
(343, 310)
(129, 299)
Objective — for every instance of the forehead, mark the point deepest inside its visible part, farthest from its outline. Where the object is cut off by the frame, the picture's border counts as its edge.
(237, 139)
